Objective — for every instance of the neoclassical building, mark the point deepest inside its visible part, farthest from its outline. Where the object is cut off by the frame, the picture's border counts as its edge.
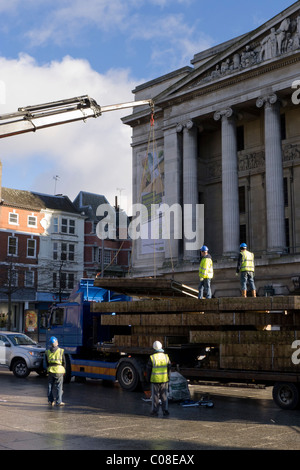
(226, 135)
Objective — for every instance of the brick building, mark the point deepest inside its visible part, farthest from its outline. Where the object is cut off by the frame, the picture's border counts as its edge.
(110, 256)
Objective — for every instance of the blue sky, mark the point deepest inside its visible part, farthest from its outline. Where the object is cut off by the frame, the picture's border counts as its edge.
(50, 50)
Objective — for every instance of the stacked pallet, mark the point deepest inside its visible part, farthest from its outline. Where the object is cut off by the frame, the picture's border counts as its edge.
(237, 333)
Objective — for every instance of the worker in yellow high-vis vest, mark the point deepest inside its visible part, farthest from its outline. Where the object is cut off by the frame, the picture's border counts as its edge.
(55, 365)
(206, 273)
(158, 374)
(245, 267)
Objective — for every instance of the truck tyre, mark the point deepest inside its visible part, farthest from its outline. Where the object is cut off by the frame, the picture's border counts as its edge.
(68, 375)
(128, 376)
(20, 368)
(286, 395)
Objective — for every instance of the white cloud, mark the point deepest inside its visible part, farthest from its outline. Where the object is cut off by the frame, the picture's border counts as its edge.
(94, 156)
(66, 22)
(169, 36)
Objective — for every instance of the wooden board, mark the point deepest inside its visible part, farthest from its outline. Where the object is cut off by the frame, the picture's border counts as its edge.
(146, 287)
(230, 304)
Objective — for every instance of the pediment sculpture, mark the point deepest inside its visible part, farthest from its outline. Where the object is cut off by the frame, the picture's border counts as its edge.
(279, 41)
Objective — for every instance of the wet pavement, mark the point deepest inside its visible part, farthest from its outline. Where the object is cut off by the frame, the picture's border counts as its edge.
(104, 417)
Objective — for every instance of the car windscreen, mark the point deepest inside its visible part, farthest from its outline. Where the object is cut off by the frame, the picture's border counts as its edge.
(21, 340)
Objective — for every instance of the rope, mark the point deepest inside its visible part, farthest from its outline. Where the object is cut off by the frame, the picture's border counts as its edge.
(151, 137)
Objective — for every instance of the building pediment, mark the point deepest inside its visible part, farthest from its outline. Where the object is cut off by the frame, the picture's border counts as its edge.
(276, 39)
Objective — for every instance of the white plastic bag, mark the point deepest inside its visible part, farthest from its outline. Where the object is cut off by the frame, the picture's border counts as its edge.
(178, 387)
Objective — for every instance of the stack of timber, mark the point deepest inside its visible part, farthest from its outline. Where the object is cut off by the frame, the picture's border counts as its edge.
(235, 333)
(147, 287)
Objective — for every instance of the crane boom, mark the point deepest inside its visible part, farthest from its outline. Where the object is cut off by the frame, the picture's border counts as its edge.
(32, 118)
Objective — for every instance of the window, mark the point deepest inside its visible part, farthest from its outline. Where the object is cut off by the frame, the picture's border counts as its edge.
(107, 257)
(70, 281)
(71, 252)
(13, 218)
(12, 278)
(67, 251)
(72, 227)
(55, 250)
(63, 251)
(64, 225)
(32, 221)
(66, 280)
(115, 257)
(242, 199)
(55, 225)
(29, 279)
(68, 226)
(31, 248)
(243, 234)
(12, 246)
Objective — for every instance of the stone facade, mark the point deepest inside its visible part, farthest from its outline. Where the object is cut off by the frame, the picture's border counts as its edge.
(226, 135)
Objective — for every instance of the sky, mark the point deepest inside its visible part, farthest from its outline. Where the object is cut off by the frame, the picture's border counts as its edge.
(53, 50)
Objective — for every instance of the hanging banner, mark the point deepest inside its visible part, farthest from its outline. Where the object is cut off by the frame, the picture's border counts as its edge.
(152, 195)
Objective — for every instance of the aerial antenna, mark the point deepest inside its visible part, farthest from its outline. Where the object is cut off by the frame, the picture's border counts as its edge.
(56, 177)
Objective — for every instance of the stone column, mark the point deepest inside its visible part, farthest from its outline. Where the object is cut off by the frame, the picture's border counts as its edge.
(173, 189)
(274, 174)
(230, 185)
(190, 187)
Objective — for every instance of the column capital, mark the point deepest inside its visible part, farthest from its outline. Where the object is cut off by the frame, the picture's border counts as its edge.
(227, 113)
(266, 100)
(189, 124)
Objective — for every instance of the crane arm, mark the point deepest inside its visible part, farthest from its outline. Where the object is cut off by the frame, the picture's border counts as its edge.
(32, 118)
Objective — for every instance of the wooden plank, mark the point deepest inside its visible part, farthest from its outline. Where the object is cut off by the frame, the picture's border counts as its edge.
(146, 287)
(160, 330)
(242, 304)
(255, 319)
(154, 306)
(277, 338)
(230, 304)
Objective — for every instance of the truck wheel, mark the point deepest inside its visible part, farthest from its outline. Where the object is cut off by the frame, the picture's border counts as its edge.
(127, 376)
(68, 375)
(20, 369)
(286, 395)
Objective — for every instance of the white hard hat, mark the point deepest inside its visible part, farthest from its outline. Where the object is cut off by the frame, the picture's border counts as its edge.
(157, 345)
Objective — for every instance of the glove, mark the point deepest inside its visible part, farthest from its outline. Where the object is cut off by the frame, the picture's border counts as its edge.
(201, 279)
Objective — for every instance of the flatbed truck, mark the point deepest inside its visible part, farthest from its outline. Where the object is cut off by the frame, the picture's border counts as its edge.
(236, 340)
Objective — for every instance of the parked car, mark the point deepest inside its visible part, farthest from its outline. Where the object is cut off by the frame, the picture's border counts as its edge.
(21, 354)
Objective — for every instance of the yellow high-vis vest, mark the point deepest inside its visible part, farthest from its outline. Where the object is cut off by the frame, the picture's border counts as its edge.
(55, 361)
(206, 268)
(247, 261)
(159, 372)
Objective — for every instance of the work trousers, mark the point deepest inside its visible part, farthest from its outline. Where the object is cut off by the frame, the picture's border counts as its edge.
(55, 388)
(247, 276)
(204, 285)
(159, 391)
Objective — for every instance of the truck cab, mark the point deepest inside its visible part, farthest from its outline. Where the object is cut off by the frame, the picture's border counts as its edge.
(79, 332)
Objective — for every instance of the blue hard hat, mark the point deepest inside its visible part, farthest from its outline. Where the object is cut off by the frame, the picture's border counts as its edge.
(53, 339)
(243, 245)
(204, 248)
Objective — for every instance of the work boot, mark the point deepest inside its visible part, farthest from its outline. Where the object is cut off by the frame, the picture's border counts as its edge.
(244, 293)
(254, 293)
